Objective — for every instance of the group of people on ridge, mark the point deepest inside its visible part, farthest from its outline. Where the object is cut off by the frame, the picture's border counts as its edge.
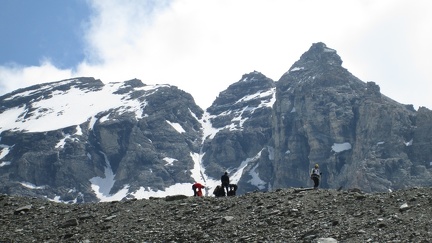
(231, 189)
(219, 191)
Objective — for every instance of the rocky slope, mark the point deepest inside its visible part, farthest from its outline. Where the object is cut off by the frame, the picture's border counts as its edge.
(285, 215)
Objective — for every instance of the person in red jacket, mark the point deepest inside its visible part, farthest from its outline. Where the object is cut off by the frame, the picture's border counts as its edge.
(197, 188)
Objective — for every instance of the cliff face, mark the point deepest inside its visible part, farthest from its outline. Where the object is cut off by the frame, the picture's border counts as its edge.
(360, 138)
(242, 144)
(81, 140)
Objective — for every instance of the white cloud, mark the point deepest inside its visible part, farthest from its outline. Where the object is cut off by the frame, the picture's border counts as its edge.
(203, 46)
(15, 76)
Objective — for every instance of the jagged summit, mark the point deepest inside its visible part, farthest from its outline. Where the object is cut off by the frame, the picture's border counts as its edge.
(319, 67)
(320, 53)
(317, 60)
(253, 77)
(250, 84)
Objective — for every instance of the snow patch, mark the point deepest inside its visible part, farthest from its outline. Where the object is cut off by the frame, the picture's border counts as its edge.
(92, 122)
(62, 141)
(256, 180)
(4, 163)
(4, 150)
(408, 143)
(180, 188)
(79, 131)
(169, 161)
(31, 186)
(296, 69)
(199, 175)
(339, 147)
(235, 178)
(176, 126)
(326, 49)
(257, 95)
(65, 108)
(238, 121)
(102, 186)
(58, 200)
(208, 130)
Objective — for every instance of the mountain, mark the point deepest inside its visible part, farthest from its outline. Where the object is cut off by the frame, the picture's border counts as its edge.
(80, 140)
(361, 138)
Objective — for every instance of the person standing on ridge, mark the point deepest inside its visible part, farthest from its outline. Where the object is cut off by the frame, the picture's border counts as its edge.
(225, 181)
(315, 176)
(197, 187)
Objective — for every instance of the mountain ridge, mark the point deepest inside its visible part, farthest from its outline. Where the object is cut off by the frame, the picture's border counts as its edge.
(81, 140)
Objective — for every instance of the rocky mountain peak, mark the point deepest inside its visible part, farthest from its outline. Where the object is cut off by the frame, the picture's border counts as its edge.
(320, 53)
(251, 77)
(319, 67)
(249, 84)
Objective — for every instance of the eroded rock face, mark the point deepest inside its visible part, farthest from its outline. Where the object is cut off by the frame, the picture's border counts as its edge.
(286, 215)
(242, 113)
(360, 138)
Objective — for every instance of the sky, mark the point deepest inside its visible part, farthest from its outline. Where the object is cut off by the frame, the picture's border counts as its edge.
(203, 46)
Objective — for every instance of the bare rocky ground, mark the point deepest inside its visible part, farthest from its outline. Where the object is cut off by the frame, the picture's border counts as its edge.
(288, 215)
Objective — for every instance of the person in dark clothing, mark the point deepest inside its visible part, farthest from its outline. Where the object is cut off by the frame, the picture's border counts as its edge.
(225, 181)
(315, 176)
(232, 190)
(194, 189)
(219, 191)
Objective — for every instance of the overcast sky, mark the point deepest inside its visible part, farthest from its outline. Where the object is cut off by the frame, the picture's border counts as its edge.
(203, 46)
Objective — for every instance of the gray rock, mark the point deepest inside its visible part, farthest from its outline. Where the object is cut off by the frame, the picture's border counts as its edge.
(318, 216)
(23, 209)
(327, 240)
(69, 223)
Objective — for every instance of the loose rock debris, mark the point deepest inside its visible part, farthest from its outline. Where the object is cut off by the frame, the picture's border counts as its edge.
(284, 215)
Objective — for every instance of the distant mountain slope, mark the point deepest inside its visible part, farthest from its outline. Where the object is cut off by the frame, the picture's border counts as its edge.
(82, 140)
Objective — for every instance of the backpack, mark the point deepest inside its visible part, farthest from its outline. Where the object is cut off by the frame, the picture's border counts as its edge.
(315, 173)
(219, 191)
